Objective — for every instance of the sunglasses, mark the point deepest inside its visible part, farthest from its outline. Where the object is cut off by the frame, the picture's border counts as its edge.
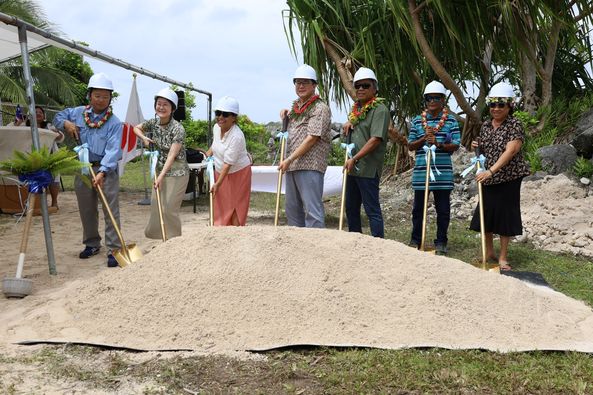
(223, 114)
(497, 104)
(429, 98)
(362, 86)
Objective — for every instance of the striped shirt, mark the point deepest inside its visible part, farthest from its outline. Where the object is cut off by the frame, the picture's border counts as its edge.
(449, 134)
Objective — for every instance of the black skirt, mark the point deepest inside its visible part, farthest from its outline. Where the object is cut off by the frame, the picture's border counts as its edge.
(502, 209)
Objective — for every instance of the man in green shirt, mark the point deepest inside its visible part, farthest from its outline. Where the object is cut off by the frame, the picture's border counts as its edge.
(368, 123)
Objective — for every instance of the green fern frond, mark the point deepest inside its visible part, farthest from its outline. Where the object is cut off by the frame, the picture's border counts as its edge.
(59, 162)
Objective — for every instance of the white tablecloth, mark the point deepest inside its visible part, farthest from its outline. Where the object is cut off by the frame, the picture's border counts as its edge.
(265, 178)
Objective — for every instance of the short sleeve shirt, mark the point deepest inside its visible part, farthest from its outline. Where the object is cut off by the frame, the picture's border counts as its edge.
(493, 143)
(315, 122)
(164, 137)
(448, 134)
(230, 149)
(375, 124)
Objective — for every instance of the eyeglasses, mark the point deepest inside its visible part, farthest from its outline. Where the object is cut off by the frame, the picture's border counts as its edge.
(497, 104)
(365, 85)
(429, 98)
(224, 114)
(302, 82)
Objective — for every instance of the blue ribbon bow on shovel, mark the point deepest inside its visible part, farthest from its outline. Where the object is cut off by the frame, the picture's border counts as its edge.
(83, 155)
(476, 159)
(282, 135)
(210, 169)
(349, 148)
(153, 157)
(431, 151)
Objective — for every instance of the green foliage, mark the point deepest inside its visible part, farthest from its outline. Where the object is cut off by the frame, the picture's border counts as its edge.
(62, 161)
(560, 116)
(583, 167)
(196, 133)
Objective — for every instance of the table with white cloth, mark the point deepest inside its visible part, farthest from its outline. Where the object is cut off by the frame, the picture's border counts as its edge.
(265, 179)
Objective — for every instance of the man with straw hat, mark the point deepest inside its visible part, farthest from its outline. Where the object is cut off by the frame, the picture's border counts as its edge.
(435, 132)
(368, 123)
(309, 139)
(97, 129)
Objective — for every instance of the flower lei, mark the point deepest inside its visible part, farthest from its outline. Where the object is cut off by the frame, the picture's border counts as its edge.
(358, 112)
(439, 125)
(101, 122)
(297, 112)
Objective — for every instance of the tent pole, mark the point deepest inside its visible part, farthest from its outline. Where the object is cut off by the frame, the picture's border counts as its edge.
(36, 145)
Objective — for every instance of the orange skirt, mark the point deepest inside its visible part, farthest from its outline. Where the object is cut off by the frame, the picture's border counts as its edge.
(232, 197)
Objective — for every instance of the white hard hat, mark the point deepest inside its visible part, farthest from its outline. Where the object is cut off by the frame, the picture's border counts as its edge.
(228, 104)
(435, 87)
(502, 89)
(168, 94)
(363, 74)
(100, 81)
(306, 72)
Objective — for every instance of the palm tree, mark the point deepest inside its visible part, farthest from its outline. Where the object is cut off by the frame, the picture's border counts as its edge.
(54, 84)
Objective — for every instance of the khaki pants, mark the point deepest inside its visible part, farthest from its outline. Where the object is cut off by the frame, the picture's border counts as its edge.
(172, 192)
(88, 207)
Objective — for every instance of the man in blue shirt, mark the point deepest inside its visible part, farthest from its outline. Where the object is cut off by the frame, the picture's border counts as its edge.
(96, 126)
(435, 129)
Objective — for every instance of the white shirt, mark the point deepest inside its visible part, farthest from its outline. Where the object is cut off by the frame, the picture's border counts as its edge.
(231, 149)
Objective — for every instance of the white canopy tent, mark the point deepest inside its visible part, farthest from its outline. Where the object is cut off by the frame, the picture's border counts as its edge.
(18, 39)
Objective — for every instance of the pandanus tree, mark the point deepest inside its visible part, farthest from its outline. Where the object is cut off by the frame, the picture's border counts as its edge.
(468, 45)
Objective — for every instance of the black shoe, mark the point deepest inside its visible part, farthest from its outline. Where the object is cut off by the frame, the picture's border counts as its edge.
(111, 261)
(440, 249)
(413, 244)
(89, 252)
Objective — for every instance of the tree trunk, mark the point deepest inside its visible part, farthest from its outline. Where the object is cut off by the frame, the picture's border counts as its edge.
(345, 77)
(528, 82)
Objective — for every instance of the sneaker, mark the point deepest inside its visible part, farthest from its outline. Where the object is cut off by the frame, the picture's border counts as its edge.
(441, 249)
(111, 261)
(89, 252)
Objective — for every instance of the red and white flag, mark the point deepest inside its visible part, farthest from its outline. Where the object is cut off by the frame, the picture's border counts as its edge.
(128, 139)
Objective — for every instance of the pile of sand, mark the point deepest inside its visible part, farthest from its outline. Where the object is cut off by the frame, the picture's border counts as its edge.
(224, 289)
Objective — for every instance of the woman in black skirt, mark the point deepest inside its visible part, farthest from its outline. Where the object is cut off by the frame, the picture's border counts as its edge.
(500, 142)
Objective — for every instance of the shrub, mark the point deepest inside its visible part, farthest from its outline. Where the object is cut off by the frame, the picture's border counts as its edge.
(583, 168)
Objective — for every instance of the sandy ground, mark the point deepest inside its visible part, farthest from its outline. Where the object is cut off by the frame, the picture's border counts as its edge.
(225, 290)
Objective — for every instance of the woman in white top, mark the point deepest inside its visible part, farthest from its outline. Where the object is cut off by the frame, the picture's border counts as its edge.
(232, 165)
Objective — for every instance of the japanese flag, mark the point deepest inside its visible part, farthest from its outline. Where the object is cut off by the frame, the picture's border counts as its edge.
(128, 138)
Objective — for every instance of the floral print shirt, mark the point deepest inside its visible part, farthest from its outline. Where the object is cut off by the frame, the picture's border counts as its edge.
(164, 137)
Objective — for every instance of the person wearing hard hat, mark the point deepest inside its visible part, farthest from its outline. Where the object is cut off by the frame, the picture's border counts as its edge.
(232, 166)
(436, 131)
(97, 127)
(368, 124)
(309, 140)
(172, 171)
(500, 141)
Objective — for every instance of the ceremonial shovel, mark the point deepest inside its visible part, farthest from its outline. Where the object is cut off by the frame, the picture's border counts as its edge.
(425, 210)
(158, 200)
(484, 265)
(279, 188)
(344, 179)
(19, 287)
(128, 253)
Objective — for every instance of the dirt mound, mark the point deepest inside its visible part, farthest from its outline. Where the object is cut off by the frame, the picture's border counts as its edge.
(224, 289)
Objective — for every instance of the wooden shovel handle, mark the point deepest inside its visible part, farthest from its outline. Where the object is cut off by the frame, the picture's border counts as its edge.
(28, 220)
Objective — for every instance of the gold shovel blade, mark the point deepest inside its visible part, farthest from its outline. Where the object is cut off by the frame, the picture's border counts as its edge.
(132, 253)
(490, 267)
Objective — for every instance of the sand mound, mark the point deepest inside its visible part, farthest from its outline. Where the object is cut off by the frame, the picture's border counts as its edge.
(226, 289)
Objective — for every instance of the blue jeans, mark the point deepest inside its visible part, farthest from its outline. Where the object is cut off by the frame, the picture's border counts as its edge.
(443, 208)
(365, 191)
